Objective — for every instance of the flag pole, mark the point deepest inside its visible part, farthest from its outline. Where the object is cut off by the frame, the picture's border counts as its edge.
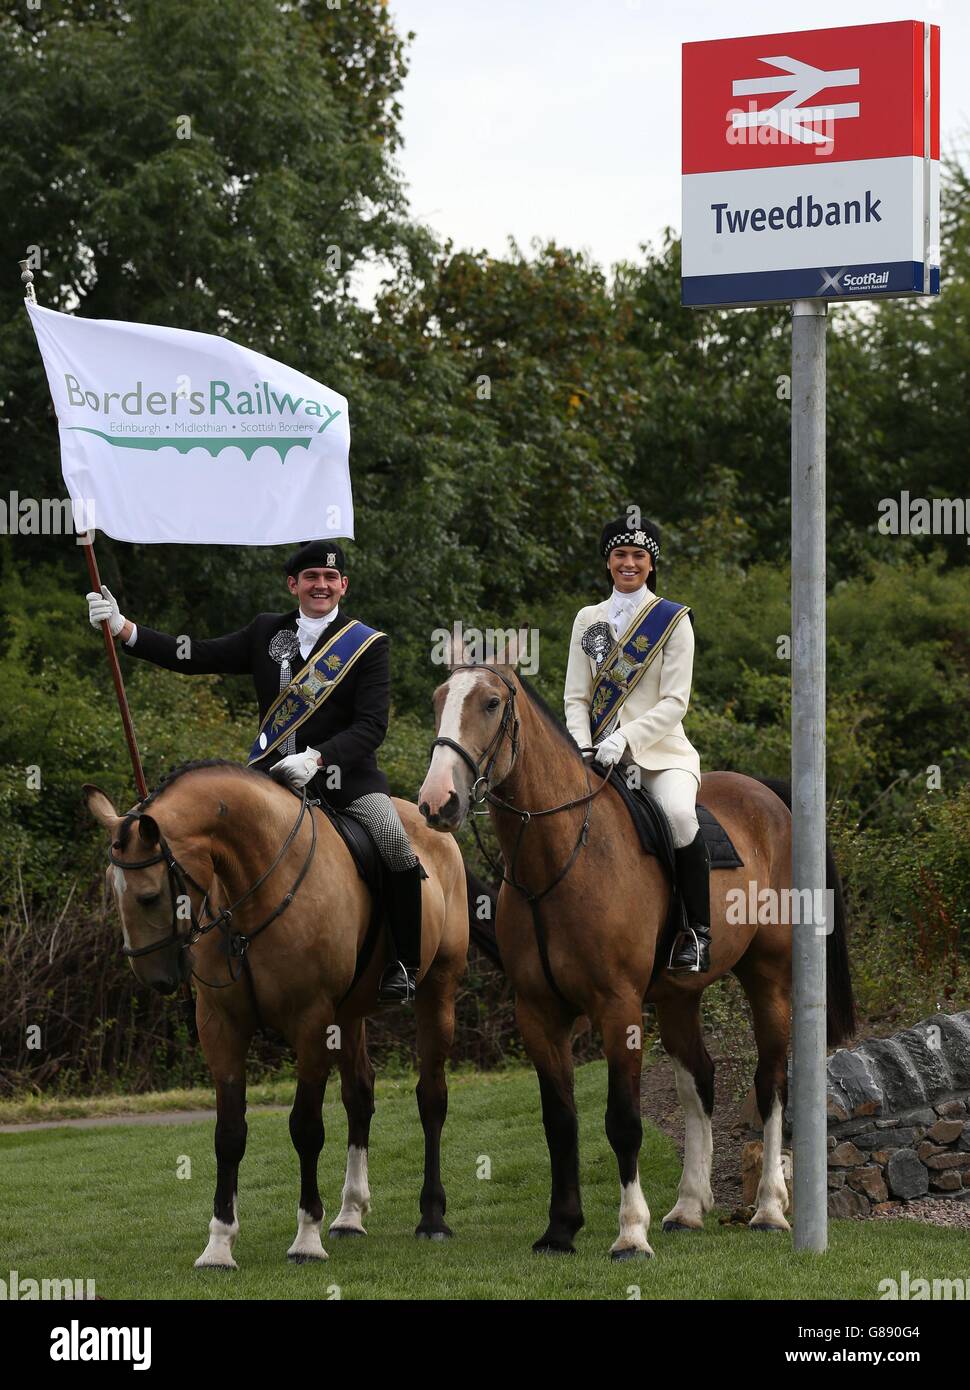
(109, 645)
(27, 280)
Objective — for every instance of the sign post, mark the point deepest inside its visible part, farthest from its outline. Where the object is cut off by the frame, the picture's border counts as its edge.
(809, 1130)
(810, 174)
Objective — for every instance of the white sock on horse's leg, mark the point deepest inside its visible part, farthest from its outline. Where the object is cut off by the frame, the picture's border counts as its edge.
(222, 1237)
(694, 1196)
(771, 1201)
(307, 1244)
(634, 1219)
(355, 1198)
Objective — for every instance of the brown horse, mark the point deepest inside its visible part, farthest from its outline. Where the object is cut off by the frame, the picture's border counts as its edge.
(578, 923)
(283, 951)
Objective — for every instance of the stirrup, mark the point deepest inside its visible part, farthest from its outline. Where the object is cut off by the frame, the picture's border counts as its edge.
(397, 984)
(690, 954)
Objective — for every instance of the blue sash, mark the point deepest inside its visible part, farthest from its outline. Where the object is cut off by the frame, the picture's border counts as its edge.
(624, 665)
(310, 687)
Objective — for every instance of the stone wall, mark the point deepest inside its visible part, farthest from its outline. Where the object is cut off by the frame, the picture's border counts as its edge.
(899, 1117)
(898, 1120)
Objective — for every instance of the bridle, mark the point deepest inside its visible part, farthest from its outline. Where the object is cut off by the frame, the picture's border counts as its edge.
(509, 717)
(180, 880)
(483, 779)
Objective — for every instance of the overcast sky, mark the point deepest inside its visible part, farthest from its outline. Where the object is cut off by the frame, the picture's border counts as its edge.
(561, 118)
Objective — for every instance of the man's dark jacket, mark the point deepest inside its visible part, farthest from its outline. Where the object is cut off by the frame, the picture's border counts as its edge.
(347, 729)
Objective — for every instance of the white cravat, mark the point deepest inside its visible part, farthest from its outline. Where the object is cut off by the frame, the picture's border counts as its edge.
(623, 607)
(308, 630)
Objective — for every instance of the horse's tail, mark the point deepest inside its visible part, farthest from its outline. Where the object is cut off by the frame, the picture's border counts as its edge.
(481, 916)
(840, 1002)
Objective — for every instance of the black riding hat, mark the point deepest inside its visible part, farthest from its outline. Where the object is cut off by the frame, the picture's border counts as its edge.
(316, 555)
(645, 535)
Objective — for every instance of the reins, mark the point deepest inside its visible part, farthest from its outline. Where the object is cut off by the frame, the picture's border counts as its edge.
(236, 942)
(482, 781)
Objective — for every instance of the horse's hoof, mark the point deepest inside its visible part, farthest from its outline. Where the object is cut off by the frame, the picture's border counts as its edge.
(765, 1226)
(631, 1252)
(211, 1264)
(441, 1233)
(341, 1231)
(301, 1259)
(545, 1247)
(672, 1227)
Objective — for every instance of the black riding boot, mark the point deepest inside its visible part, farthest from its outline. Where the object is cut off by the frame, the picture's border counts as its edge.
(399, 979)
(692, 948)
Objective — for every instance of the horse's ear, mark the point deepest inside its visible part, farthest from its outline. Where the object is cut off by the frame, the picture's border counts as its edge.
(99, 806)
(455, 653)
(512, 653)
(148, 831)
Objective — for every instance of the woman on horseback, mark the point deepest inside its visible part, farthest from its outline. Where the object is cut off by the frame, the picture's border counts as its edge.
(628, 682)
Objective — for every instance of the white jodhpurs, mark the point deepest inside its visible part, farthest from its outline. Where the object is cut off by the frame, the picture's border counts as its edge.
(676, 790)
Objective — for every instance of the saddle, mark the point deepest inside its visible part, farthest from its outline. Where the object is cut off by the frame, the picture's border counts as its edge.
(370, 868)
(360, 842)
(653, 829)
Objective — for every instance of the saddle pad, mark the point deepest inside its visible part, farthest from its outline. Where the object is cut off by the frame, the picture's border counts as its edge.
(655, 838)
(720, 846)
(653, 829)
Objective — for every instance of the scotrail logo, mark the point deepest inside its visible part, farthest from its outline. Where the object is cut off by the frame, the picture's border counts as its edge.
(256, 417)
(846, 281)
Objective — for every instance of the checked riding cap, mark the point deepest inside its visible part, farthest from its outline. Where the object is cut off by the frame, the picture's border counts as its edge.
(317, 555)
(646, 535)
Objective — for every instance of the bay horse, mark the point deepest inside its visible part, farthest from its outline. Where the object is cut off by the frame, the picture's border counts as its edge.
(219, 845)
(579, 919)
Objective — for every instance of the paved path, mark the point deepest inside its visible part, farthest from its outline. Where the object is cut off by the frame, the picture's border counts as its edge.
(159, 1117)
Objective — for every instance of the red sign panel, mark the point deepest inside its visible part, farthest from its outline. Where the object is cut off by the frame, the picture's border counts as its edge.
(749, 103)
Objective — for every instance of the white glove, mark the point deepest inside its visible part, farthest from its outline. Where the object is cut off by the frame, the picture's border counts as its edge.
(611, 750)
(104, 607)
(296, 770)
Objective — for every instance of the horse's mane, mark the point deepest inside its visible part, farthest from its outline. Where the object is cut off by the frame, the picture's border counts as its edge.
(547, 715)
(225, 764)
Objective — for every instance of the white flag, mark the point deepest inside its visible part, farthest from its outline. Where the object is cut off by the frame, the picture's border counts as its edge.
(168, 435)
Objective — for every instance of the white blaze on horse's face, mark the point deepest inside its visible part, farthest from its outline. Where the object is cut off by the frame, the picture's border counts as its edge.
(145, 908)
(115, 875)
(470, 707)
(443, 798)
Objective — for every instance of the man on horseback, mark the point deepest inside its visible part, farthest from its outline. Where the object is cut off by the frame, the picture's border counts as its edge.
(628, 682)
(317, 671)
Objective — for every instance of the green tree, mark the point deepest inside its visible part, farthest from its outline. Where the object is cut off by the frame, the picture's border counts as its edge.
(215, 167)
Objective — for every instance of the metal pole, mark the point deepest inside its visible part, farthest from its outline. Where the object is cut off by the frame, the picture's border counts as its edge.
(808, 770)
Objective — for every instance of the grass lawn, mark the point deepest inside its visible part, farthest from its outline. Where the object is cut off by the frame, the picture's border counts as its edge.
(108, 1204)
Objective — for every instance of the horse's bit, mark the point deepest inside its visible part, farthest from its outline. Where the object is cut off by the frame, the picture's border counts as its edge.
(179, 879)
(482, 780)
